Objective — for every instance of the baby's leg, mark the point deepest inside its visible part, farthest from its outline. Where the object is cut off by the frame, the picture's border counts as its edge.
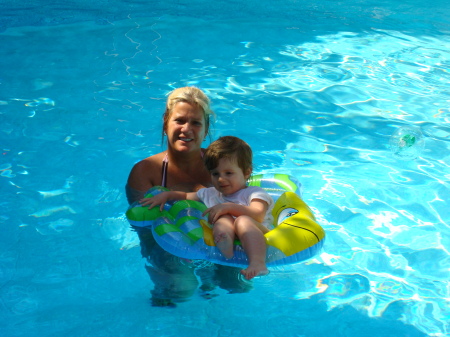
(223, 232)
(254, 244)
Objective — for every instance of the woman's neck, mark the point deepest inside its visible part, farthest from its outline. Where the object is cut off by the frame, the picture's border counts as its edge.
(185, 159)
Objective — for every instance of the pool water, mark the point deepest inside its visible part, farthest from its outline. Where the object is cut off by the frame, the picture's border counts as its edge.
(317, 89)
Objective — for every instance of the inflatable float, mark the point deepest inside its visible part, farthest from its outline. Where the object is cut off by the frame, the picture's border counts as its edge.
(181, 229)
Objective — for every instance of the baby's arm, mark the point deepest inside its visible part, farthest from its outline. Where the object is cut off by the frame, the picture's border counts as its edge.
(256, 210)
(163, 197)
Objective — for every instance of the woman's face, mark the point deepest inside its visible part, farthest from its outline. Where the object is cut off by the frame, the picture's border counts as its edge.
(186, 127)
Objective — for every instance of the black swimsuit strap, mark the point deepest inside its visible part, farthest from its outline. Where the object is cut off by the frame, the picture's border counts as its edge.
(165, 164)
(164, 173)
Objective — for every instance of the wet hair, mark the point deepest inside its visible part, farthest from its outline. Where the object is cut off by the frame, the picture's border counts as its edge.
(191, 95)
(231, 148)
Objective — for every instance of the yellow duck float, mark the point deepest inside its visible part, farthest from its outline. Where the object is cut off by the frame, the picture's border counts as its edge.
(181, 230)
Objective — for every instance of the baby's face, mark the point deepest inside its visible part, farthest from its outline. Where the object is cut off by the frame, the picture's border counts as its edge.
(228, 177)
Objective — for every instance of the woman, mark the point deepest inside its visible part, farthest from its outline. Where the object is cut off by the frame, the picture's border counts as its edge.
(186, 123)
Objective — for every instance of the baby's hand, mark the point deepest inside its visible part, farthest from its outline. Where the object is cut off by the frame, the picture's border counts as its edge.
(159, 199)
(215, 212)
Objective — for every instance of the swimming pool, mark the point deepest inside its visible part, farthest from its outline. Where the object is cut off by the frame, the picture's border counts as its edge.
(316, 88)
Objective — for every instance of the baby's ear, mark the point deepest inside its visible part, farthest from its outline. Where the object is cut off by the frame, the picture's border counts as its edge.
(248, 173)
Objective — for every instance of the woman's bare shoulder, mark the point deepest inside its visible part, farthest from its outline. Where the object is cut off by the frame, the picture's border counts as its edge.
(151, 161)
(146, 171)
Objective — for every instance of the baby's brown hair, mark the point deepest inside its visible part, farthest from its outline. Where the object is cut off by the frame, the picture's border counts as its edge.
(232, 148)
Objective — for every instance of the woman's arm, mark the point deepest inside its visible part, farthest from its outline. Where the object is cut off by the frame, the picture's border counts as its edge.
(256, 210)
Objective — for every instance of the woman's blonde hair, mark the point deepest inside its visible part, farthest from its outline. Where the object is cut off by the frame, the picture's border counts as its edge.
(191, 95)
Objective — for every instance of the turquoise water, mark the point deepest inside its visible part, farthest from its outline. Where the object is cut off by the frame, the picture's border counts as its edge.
(318, 89)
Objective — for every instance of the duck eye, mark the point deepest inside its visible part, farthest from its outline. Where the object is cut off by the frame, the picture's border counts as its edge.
(286, 213)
